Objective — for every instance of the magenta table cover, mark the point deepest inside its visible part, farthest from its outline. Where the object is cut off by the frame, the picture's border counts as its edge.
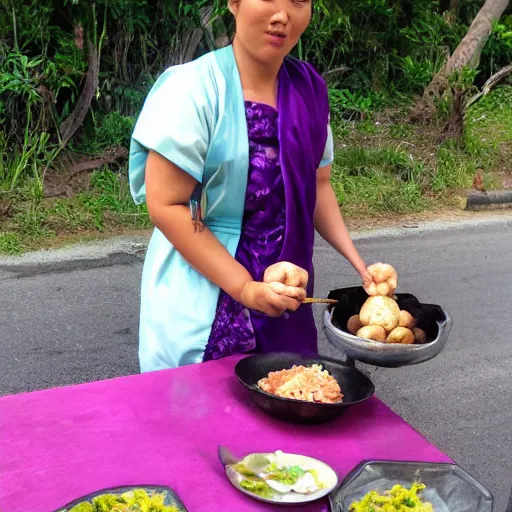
(164, 428)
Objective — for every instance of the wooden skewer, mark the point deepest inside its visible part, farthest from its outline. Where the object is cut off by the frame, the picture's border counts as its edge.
(309, 300)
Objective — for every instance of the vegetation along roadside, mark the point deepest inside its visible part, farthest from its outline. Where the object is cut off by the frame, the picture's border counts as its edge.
(421, 100)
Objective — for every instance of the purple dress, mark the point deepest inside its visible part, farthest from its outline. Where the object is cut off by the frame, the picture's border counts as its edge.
(285, 151)
(235, 329)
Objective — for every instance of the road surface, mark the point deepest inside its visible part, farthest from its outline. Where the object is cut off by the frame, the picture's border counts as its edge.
(66, 322)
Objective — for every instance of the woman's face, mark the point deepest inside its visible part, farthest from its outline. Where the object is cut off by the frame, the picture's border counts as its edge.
(269, 29)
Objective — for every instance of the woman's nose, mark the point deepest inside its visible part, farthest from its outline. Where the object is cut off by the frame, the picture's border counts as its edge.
(281, 15)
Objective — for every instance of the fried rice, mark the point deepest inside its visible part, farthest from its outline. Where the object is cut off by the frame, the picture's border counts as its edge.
(311, 384)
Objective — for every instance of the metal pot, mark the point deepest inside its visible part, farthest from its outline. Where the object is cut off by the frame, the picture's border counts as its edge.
(430, 317)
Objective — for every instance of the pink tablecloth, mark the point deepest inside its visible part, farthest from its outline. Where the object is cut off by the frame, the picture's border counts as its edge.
(164, 428)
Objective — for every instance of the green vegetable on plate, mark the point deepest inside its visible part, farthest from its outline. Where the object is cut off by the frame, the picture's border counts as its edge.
(137, 500)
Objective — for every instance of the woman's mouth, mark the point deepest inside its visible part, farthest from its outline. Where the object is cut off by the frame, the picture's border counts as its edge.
(276, 38)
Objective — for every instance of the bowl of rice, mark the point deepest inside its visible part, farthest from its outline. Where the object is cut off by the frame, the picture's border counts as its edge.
(300, 389)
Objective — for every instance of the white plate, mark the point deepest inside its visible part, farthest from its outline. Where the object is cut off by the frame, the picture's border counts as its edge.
(325, 473)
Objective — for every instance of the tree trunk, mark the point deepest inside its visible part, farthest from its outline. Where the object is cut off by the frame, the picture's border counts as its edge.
(194, 38)
(76, 118)
(454, 5)
(469, 50)
(466, 54)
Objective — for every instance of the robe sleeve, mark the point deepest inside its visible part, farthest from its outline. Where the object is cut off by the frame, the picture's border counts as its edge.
(176, 122)
(328, 156)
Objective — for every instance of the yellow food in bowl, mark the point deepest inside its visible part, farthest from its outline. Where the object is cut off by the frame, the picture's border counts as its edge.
(397, 499)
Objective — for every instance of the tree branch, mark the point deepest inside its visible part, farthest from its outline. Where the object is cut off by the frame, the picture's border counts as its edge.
(336, 71)
(491, 82)
(76, 118)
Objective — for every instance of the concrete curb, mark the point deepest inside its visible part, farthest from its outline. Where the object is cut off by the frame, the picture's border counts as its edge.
(136, 244)
(487, 200)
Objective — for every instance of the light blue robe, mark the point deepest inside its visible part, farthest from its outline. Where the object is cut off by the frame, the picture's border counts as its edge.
(195, 117)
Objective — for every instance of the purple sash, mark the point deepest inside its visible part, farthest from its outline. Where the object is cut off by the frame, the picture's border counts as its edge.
(303, 119)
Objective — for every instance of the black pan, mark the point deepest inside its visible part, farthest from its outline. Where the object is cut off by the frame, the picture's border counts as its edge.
(355, 386)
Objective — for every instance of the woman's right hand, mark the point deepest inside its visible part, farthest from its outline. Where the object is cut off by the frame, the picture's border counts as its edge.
(286, 273)
(273, 299)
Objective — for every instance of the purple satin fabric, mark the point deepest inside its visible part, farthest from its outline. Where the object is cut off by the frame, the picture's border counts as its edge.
(285, 149)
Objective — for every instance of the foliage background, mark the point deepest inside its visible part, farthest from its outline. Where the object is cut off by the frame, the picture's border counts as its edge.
(377, 55)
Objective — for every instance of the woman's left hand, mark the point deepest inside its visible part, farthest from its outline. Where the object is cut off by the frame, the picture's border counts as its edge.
(366, 278)
(380, 279)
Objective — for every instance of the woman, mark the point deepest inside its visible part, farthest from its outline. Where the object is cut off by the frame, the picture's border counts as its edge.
(236, 143)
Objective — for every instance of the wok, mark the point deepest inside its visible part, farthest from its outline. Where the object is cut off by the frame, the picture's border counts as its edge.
(355, 386)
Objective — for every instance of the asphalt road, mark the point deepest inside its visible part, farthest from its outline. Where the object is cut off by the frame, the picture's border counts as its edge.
(75, 321)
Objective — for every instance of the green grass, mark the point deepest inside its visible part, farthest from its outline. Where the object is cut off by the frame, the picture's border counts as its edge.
(454, 169)
(10, 243)
(383, 166)
(400, 131)
(489, 123)
(106, 206)
(382, 180)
